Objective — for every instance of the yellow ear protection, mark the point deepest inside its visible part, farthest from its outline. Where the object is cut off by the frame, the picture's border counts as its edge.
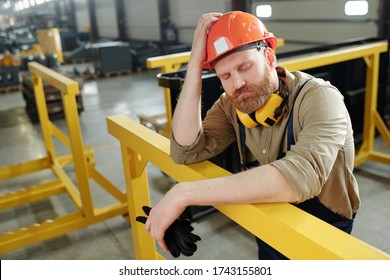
(272, 111)
(267, 115)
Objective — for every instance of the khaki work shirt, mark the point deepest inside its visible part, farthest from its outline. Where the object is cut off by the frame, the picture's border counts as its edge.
(321, 161)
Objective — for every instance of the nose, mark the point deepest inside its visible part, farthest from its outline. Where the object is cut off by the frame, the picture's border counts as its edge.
(238, 81)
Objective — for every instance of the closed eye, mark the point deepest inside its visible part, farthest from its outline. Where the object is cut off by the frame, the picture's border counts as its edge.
(244, 67)
(225, 76)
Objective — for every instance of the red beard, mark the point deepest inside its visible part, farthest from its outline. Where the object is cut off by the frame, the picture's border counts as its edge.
(251, 97)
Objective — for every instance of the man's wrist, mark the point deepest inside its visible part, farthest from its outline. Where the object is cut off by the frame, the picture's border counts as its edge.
(181, 195)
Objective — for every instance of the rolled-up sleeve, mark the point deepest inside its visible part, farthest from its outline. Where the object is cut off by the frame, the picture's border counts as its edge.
(216, 134)
(321, 123)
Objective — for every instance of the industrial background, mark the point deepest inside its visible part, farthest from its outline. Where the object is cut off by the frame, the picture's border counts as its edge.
(104, 46)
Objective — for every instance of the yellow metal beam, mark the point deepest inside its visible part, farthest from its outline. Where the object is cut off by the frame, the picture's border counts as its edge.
(71, 189)
(298, 235)
(137, 187)
(107, 185)
(31, 194)
(40, 100)
(82, 158)
(382, 128)
(168, 63)
(77, 147)
(59, 226)
(61, 82)
(309, 61)
(59, 135)
(293, 232)
(23, 168)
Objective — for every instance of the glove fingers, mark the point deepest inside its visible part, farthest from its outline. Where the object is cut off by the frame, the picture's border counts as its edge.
(194, 237)
(141, 219)
(174, 250)
(190, 250)
(183, 231)
(146, 209)
(171, 244)
(187, 225)
(187, 237)
(179, 229)
(175, 238)
(185, 245)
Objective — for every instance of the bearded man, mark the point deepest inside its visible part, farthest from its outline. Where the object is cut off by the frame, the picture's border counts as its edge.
(293, 131)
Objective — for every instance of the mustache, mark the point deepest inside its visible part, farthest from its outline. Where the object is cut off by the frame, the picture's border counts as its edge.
(243, 89)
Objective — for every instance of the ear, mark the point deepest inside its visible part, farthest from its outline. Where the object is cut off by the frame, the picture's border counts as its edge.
(271, 57)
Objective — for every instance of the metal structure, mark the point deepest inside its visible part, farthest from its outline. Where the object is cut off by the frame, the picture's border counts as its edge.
(81, 156)
(293, 232)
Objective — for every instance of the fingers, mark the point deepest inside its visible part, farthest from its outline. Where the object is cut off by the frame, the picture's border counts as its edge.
(156, 232)
(206, 20)
(172, 247)
(176, 236)
(162, 244)
(198, 50)
(210, 17)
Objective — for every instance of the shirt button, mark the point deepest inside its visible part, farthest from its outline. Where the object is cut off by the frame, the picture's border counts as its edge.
(263, 151)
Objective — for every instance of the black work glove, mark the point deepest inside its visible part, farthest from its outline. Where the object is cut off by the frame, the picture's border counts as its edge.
(178, 237)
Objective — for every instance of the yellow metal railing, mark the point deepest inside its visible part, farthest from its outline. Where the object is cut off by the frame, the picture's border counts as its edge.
(370, 52)
(82, 157)
(293, 232)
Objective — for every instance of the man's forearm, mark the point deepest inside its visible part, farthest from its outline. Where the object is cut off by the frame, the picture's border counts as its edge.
(186, 121)
(264, 184)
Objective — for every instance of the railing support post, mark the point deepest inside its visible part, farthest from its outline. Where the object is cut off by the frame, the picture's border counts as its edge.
(137, 190)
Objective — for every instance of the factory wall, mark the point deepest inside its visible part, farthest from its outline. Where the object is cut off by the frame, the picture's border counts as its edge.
(306, 23)
(142, 19)
(302, 23)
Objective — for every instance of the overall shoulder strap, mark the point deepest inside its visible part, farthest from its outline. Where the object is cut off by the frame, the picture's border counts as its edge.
(290, 134)
(290, 128)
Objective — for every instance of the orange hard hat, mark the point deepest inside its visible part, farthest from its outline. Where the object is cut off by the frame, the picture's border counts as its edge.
(232, 31)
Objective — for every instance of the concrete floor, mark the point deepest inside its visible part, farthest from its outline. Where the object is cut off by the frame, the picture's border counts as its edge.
(132, 95)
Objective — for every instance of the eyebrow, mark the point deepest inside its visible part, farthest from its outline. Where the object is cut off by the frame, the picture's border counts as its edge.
(247, 61)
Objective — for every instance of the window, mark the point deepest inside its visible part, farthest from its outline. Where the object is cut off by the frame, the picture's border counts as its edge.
(356, 8)
(263, 11)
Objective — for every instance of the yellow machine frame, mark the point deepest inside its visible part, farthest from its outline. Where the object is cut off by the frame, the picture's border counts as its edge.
(83, 159)
(50, 42)
(293, 232)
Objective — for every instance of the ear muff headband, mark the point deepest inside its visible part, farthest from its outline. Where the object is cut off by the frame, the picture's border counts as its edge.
(267, 115)
(246, 119)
